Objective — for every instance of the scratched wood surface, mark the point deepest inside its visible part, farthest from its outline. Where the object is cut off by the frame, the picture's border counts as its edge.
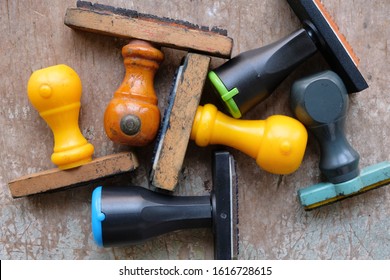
(272, 224)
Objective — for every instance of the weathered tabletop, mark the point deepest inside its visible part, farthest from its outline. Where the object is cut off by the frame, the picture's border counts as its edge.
(272, 223)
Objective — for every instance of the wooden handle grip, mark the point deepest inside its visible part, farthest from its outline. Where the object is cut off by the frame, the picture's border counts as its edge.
(132, 116)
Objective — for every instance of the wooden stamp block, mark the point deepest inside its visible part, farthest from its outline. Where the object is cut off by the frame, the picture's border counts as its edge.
(176, 127)
(123, 23)
(55, 179)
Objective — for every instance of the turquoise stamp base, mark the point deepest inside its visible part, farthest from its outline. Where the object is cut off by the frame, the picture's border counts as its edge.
(324, 193)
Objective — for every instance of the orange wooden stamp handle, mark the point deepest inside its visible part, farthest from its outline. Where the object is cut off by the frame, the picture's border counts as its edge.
(132, 117)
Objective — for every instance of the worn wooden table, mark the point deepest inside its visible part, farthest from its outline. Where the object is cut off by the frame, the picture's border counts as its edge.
(272, 223)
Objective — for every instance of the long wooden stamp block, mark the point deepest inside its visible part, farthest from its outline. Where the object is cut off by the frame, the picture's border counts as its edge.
(56, 179)
(176, 127)
(167, 32)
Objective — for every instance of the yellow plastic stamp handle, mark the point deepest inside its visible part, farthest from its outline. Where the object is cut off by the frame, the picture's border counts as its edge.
(278, 143)
(56, 92)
